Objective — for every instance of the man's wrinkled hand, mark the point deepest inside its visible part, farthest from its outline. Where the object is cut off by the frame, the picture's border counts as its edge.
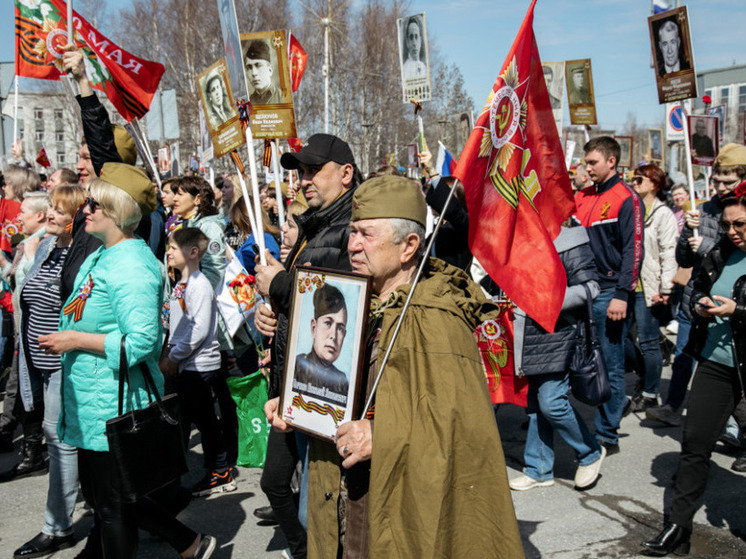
(355, 442)
(617, 310)
(271, 410)
(265, 274)
(692, 219)
(265, 320)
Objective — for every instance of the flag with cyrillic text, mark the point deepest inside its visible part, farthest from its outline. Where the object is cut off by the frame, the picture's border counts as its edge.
(41, 33)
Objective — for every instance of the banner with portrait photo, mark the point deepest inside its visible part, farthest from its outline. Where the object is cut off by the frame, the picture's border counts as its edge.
(673, 56)
(625, 146)
(220, 113)
(554, 77)
(414, 58)
(655, 145)
(206, 151)
(703, 139)
(265, 57)
(232, 46)
(580, 96)
(325, 355)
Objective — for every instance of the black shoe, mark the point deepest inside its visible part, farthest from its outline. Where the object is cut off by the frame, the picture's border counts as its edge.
(214, 482)
(266, 514)
(739, 465)
(6, 441)
(42, 545)
(25, 468)
(643, 404)
(627, 407)
(673, 539)
(611, 448)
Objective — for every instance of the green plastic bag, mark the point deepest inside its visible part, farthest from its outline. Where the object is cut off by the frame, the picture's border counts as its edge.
(250, 395)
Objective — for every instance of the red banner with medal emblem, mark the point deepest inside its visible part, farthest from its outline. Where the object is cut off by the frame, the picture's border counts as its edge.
(517, 187)
(495, 342)
(41, 33)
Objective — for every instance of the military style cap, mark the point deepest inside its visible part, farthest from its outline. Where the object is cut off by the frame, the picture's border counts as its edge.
(320, 149)
(577, 69)
(125, 145)
(327, 300)
(258, 50)
(732, 154)
(389, 196)
(133, 181)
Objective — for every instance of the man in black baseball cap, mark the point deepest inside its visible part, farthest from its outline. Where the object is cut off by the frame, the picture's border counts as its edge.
(328, 178)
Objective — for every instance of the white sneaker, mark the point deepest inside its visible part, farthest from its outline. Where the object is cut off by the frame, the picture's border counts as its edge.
(524, 483)
(587, 475)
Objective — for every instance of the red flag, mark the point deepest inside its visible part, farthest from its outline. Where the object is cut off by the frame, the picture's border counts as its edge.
(42, 158)
(517, 187)
(298, 59)
(295, 144)
(41, 31)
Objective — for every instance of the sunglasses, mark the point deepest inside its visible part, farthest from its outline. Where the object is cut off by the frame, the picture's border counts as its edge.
(92, 204)
(637, 179)
(737, 225)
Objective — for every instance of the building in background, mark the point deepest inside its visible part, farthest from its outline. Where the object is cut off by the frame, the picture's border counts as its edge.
(726, 86)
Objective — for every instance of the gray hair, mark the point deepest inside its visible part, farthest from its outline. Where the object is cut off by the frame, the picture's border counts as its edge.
(38, 201)
(402, 228)
(668, 26)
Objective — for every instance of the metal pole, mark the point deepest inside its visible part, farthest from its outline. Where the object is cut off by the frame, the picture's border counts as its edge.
(259, 228)
(70, 30)
(406, 303)
(145, 148)
(15, 114)
(688, 157)
(326, 22)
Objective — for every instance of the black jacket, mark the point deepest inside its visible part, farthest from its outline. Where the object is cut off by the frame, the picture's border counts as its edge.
(538, 352)
(452, 242)
(710, 270)
(322, 242)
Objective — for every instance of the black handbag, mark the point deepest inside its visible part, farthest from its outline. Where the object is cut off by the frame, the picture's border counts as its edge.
(146, 444)
(589, 380)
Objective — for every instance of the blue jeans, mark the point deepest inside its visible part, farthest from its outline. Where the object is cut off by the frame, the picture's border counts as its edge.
(682, 366)
(648, 337)
(63, 464)
(549, 410)
(611, 335)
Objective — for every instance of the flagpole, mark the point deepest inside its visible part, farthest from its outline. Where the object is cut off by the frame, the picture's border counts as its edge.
(278, 189)
(15, 113)
(145, 148)
(258, 227)
(399, 321)
(245, 192)
(689, 173)
(70, 29)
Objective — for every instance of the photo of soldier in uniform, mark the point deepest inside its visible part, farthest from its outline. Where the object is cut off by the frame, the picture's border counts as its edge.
(316, 369)
(262, 73)
(578, 91)
(217, 102)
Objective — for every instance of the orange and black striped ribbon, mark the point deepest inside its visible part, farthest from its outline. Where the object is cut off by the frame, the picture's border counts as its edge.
(75, 307)
(267, 157)
(337, 414)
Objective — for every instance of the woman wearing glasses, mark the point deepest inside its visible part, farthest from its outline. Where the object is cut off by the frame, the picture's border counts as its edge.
(718, 340)
(656, 278)
(118, 291)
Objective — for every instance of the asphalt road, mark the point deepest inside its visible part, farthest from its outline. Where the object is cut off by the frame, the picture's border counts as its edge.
(609, 520)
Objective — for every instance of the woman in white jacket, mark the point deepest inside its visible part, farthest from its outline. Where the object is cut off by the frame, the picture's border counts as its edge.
(656, 277)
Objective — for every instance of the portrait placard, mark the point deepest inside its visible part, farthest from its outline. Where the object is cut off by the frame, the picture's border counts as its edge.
(414, 58)
(580, 96)
(265, 59)
(554, 77)
(655, 145)
(703, 139)
(206, 152)
(625, 145)
(220, 113)
(232, 46)
(673, 57)
(321, 382)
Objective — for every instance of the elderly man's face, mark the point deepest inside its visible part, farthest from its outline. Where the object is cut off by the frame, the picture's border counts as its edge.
(259, 72)
(668, 42)
(215, 91)
(373, 252)
(413, 40)
(700, 128)
(328, 332)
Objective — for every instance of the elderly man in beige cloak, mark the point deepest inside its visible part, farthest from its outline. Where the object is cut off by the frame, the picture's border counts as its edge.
(424, 474)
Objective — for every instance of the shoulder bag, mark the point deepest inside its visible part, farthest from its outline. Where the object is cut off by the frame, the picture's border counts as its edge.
(146, 444)
(589, 381)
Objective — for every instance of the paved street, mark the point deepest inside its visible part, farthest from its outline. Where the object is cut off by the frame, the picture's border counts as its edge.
(609, 520)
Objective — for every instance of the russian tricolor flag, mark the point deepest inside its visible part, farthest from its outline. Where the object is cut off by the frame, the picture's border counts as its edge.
(661, 6)
(445, 164)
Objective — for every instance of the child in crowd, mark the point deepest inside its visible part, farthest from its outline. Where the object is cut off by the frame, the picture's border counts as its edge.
(290, 229)
(193, 356)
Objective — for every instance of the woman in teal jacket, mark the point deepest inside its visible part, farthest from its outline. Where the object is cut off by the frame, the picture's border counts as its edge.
(118, 291)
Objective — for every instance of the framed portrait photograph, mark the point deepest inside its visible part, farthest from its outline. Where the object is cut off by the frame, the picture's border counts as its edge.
(554, 77)
(265, 60)
(673, 57)
(232, 46)
(414, 58)
(220, 113)
(625, 158)
(581, 101)
(720, 111)
(704, 139)
(655, 144)
(321, 386)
